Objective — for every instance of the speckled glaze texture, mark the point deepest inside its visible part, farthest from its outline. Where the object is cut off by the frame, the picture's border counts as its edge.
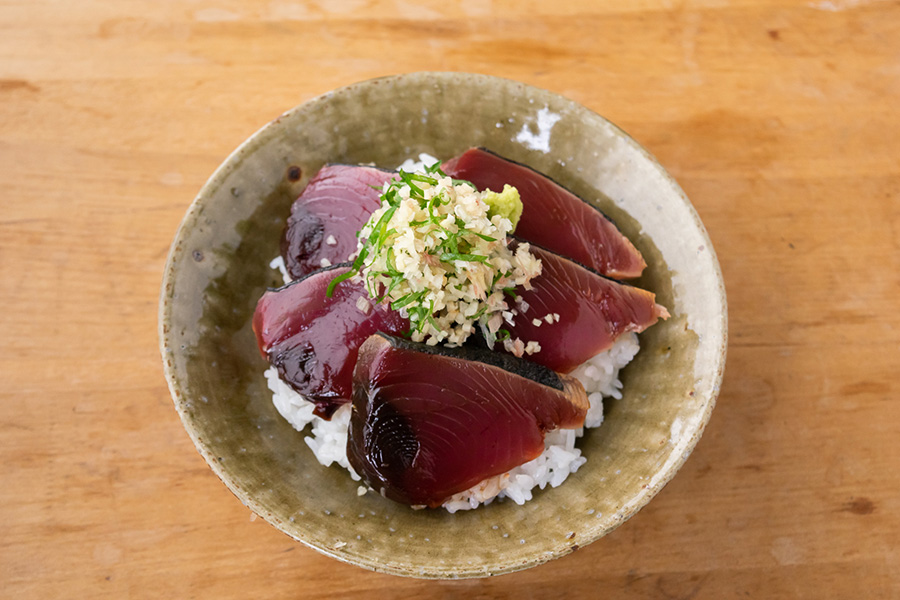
(218, 268)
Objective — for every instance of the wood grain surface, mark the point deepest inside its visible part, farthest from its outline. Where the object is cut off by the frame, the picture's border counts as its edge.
(779, 119)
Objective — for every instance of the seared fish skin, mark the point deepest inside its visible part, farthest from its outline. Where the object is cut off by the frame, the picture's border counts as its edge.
(552, 216)
(313, 340)
(324, 219)
(592, 310)
(429, 422)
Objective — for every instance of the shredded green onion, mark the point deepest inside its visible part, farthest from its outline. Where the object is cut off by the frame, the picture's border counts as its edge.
(437, 253)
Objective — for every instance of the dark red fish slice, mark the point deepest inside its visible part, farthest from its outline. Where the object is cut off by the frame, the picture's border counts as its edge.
(429, 422)
(313, 340)
(552, 216)
(593, 311)
(335, 204)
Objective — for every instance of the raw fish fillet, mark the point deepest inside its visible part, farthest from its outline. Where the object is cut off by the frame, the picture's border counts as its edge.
(313, 340)
(593, 312)
(429, 422)
(324, 219)
(552, 216)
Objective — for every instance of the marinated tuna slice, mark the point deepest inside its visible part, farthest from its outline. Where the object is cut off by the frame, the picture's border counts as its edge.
(313, 340)
(325, 218)
(574, 313)
(552, 216)
(429, 422)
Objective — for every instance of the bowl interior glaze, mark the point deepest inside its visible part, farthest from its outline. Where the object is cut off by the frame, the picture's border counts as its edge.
(218, 268)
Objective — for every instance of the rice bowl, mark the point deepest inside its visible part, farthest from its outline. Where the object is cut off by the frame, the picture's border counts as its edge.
(214, 276)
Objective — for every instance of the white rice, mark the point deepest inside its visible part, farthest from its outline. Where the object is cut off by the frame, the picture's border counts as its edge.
(425, 160)
(278, 264)
(599, 375)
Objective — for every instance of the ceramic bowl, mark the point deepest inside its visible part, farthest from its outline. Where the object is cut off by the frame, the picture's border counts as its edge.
(218, 268)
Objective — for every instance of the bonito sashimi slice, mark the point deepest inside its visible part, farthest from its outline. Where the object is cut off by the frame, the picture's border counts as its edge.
(324, 219)
(552, 216)
(313, 340)
(574, 313)
(429, 422)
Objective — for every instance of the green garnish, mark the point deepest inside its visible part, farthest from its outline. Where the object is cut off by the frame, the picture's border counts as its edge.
(436, 252)
(407, 299)
(507, 203)
(337, 280)
(448, 256)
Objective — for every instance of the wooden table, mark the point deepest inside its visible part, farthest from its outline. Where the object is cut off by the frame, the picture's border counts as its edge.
(779, 119)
